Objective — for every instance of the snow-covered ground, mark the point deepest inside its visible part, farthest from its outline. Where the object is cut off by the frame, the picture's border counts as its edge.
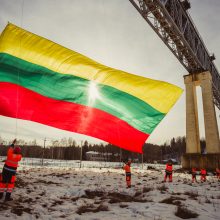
(49, 193)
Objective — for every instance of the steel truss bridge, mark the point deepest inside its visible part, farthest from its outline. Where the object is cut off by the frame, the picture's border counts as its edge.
(173, 24)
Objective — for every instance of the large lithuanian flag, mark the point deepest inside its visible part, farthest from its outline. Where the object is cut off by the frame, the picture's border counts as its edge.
(44, 82)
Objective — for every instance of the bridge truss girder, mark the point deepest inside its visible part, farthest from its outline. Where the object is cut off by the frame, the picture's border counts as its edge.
(170, 20)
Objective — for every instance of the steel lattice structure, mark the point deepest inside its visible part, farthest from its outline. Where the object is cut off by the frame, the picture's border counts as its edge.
(172, 23)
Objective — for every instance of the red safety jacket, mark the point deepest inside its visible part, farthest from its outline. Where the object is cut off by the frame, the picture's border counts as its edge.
(203, 171)
(127, 169)
(194, 171)
(169, 168)
(12, 159)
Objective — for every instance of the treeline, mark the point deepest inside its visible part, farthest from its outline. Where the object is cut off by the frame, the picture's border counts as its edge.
(68, 149)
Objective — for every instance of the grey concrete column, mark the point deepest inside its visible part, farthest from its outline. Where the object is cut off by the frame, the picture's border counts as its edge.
(211, 127)
(192, 123)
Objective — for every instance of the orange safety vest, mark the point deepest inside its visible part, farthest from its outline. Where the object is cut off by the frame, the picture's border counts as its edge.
(127, 168)
(12, 159)
(203, 172)
(169, 168)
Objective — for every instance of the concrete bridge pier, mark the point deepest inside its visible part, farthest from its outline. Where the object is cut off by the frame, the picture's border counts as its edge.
(193, 157)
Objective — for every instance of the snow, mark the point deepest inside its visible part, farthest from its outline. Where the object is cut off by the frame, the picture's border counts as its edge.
(72, 193)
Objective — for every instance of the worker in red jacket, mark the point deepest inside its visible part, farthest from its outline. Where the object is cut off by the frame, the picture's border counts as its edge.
(194, 174)
(169, 171)
(203, 174)
(127, 169)
(9, 170)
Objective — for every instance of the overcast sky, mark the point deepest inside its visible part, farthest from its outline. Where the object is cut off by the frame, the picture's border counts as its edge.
(113, 33)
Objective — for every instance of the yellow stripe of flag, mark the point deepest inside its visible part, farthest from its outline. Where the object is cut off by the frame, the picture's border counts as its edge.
(40, 51)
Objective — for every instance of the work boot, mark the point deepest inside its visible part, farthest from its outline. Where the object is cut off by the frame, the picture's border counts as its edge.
(1, 195)
(8, 197)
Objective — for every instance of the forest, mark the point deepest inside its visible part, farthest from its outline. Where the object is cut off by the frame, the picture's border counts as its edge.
(68, 149)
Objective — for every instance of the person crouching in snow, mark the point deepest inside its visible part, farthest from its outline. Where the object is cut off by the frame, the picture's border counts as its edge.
(169, 171)
(127, 169)
(9, 170)
(203, 175)
(194, 174)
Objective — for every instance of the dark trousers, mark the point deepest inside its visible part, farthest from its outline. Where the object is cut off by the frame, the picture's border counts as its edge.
(194, 177)
(7, 176)
(128, 179)
(169, 175)
(7, 181)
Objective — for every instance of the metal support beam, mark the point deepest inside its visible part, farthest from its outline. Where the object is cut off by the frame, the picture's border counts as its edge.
(172, 23)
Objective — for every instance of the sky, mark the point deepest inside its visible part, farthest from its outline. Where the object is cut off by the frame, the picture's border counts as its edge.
(112, 33)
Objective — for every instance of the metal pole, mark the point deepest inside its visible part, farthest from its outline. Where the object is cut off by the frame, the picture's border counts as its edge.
(42, 162)
(81, 155)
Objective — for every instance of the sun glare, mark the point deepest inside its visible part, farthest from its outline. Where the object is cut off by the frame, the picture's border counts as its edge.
(93, 92)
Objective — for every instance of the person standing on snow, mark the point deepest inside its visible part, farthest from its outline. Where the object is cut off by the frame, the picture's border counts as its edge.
(203, 174)
(169, 171)
(9, 170)
(127, 169)
(194, 174)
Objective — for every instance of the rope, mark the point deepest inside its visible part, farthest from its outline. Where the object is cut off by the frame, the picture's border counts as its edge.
(18, 73)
